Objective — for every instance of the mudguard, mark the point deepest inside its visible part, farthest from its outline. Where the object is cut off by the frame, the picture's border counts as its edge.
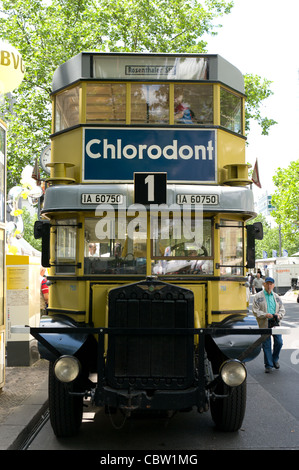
(233, 346)
(64, 343)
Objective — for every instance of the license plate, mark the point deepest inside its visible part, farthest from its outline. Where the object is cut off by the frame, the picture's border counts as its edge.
(101, 198)
(208, 199)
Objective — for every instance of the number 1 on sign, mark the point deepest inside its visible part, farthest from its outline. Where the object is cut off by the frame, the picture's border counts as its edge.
(149, 180)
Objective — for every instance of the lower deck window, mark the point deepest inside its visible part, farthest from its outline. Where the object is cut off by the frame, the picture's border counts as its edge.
(231, 247)
(66, 240)
(112, 246)
(182, 248)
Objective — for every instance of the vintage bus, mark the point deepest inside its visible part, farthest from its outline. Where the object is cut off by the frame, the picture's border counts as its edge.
(144, 235)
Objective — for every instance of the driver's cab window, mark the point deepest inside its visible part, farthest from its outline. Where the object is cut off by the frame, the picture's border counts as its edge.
(110, 247)
(65, 246)
(182, 248)
(231, 247)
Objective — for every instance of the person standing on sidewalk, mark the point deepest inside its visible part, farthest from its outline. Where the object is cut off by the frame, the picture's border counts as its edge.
(258, 283)
(266, 305)
(44, 291)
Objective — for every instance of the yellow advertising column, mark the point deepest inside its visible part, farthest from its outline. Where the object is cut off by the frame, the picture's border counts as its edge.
(11, 75)
(23, 307)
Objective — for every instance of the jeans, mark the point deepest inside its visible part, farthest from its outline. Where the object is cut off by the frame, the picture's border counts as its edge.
(269, 357)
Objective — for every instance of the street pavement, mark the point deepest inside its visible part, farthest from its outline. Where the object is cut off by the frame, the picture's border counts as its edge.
(23, 399)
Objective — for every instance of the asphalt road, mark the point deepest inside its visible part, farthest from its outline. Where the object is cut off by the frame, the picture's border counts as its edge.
(271, 421)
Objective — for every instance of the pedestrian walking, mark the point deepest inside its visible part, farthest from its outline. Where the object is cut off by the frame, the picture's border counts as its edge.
(268, 307)
(258, 283)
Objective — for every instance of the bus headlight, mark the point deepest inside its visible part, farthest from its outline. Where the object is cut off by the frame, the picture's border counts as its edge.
(233, 373)
(67, 368)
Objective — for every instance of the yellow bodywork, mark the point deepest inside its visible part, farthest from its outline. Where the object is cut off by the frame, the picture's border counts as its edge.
(86, 300)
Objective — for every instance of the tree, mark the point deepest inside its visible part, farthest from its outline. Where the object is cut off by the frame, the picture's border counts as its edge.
(286, 201)
(29, 220)
(271, 240)
(257, 90)
(49, 32)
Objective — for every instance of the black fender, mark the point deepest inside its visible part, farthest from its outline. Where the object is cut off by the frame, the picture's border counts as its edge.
(234, 346)
(64, 343)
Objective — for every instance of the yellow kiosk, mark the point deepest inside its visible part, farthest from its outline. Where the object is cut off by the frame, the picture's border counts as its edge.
(11, 75)
(22, 306)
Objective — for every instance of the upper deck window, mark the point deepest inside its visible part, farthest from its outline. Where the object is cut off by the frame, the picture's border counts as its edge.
(106, 102)
(67, 109)
(149, 104)
(230, 111)
(193, 104)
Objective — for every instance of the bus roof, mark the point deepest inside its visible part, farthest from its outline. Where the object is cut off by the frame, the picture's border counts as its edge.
(147, 67)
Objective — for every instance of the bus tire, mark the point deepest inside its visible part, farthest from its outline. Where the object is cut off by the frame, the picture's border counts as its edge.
(65, 410)
(228, 413)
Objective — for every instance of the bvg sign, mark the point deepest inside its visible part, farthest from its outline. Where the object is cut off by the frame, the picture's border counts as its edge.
(116, 154)
(11, 68)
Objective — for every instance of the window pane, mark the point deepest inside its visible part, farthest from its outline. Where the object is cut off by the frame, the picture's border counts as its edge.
(108, 248)
(193, 104)
(180, 252)
(149, 104)
(66, 240)
(106, 103)
(67, 109)
(150, 67)
(230, 111)
(231, 247)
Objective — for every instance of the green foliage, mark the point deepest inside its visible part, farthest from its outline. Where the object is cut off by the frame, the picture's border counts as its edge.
(257, 90)
(28, 235)
(271, 240)
(286, 201)
(49, 32)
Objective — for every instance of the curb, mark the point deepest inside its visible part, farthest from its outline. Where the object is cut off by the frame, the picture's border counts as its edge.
(20, 423)
(27, 434)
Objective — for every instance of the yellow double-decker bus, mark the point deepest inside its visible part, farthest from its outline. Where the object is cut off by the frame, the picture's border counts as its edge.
(144, 235)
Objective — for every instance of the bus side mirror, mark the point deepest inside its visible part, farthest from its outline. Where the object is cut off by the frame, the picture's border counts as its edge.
(258, 230)
(254, 232)
(42, 230)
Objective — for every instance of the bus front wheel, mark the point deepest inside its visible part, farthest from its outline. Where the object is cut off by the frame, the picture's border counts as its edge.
(65, 410)
(228, 412)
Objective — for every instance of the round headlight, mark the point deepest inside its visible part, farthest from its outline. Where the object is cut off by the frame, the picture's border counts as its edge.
(233, 373)
(67, 368)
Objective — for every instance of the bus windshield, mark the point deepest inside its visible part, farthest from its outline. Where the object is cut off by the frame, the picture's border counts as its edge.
(108, 249)
(182, 248)
(116, 245)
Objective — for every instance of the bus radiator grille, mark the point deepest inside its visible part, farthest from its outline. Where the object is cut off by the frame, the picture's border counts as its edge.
(150, 361)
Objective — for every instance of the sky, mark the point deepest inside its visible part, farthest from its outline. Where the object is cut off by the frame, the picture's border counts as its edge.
(262, 37)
